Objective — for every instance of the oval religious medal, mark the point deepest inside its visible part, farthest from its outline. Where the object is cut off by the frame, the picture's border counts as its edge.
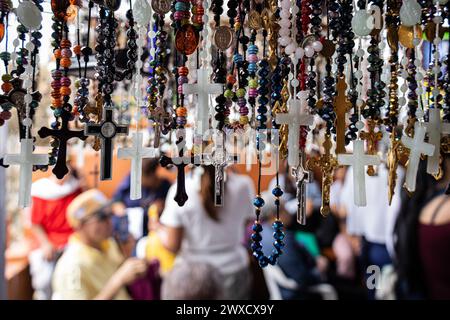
(328, 48)
(186, 39)
(161, 7)
(254, 20)
(59, 8)
(29, 15)
(223, 37)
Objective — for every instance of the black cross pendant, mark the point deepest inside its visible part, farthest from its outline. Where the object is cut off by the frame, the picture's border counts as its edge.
(62, 135)
(106, 130)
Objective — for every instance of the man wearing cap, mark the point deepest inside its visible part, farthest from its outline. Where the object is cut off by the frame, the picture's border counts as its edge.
(92, 266)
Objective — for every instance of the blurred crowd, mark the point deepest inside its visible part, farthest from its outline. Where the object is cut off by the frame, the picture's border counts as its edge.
(91, 247)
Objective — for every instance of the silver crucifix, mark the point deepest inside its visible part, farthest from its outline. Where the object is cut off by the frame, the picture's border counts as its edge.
(302, 177)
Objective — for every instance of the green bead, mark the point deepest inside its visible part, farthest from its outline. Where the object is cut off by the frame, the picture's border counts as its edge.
(240, 93)
(228, 94)
(253, 83)
(57, 112)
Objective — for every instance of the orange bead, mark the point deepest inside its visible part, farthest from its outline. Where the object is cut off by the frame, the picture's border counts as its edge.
(57, 53)
(181, 112)
(183, 71)
(65, 43)
(65, 91)
(77, 50)
(66, 62)
(7, 87)
(57, 103)
(231, 79)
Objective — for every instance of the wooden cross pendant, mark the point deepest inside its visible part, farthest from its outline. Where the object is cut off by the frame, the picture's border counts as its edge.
(63, 135)
(341, 106)
(371, 137)
(106, 130)
(326, 163)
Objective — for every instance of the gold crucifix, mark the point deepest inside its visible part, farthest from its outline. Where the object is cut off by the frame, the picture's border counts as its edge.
(326, 163)
(341, 106)
(371, 137)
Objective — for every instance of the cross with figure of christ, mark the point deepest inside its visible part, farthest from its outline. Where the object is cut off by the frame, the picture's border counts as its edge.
(63, 135)
(26, 159)
(136, 153)
(219, 159)
(435, 128)
(358, 160)
(416, 147)
(326, 163)
(106, 130)
(302, 177)
(203, 89)
(295, 118)
(341, 106)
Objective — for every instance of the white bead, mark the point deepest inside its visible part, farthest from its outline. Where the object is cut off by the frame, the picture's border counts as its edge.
(419, 76)
(359, 125)
(317, 46)
(290, 49)
(295, 10)
(404, 87)
(437, 40)
(404, 60)
(359, 102)
(27, 122)
(309, 51)
(419, 113)
(360, 53)
(295, 83)
(16, 42)
(417, 62)
(299, 53)
(437, 19)
(358, 74)
(27, 99)
(382, 45)
(27, 83)
(285, 14)
(402, 101)
(416, 42)
(436, 92)
(436, 69)
(404, 74)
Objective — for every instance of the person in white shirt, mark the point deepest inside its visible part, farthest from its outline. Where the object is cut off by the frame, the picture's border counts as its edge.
(199, 231)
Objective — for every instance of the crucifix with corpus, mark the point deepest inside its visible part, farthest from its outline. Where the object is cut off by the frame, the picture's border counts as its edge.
(435, 128)
(326, 163)
(219, 159)
(416, 147)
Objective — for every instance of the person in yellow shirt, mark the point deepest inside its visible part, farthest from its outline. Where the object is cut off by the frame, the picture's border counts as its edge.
(151, 247)
(92, 267)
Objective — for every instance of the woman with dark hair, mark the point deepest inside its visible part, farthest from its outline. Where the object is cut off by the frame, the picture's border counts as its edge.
(201, 232)
(422, 238)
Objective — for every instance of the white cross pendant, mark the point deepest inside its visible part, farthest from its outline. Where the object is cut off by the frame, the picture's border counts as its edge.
(203, 89)
(295, 118)
(358, 160)
(26, 159)
(136, 153)
(435, 128)
(416, 147)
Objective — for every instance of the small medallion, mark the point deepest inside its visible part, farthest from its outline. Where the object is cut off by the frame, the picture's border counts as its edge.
(108, 130)
(59, 8)
(223, 37)
(161, 7)
(186, 39)
(29, 15)
(406, 36)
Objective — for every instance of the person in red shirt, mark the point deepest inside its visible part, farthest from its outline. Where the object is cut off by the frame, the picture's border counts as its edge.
(50, 199)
